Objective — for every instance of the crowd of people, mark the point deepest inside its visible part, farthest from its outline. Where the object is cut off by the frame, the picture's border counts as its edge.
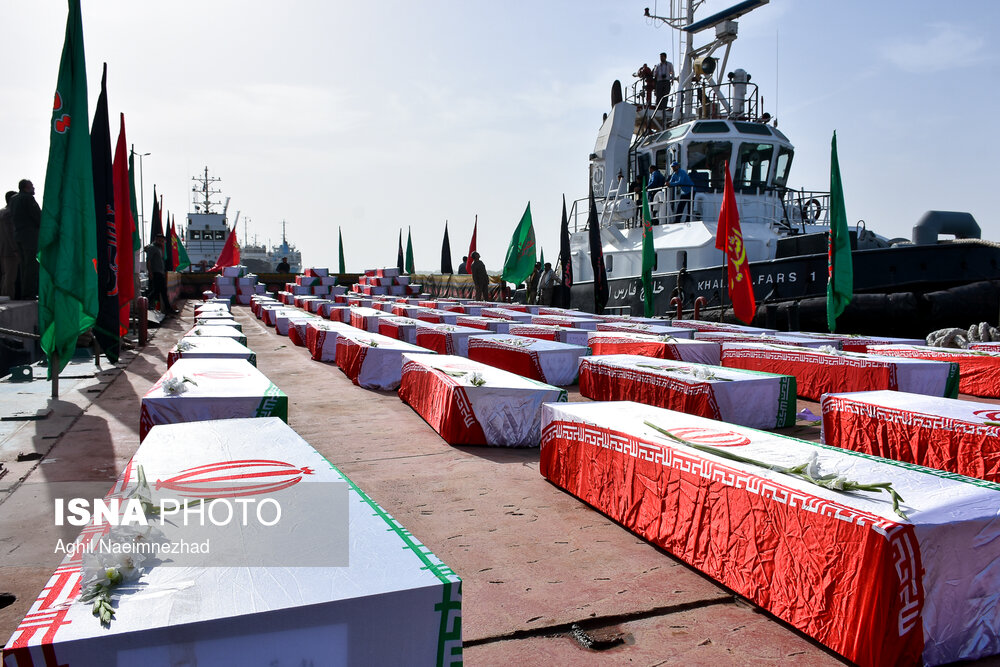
(20, 219)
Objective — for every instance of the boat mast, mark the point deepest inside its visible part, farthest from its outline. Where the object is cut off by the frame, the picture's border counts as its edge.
(204, 191)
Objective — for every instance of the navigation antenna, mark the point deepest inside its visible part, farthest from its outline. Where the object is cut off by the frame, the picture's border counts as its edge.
(204, 191)
(699, 63)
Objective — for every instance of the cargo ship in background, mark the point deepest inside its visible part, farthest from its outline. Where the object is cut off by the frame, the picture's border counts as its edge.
(945, 276)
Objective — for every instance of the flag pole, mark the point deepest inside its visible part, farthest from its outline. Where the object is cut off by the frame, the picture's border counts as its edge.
(54, 369)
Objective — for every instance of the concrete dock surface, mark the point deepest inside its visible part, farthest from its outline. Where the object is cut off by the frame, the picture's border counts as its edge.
(546, 578)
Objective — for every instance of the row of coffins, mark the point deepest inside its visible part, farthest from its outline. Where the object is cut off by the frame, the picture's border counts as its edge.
(808, 532)
(465, 401)
(260, 595)
(885, 563)
(237, 284)
(390, 281)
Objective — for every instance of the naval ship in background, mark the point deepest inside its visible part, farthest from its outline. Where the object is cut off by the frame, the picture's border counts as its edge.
(208, 228)
(256, 256)
(901, 286)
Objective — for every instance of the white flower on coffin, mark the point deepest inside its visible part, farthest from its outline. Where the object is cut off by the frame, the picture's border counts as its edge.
(477, 379)
(812, 466)
(830, 349)
(176, 386)
(702, 373)
(198, 332)
(185, 345)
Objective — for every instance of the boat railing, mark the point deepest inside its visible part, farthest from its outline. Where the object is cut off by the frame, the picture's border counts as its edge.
(784, 208)
(732, 101)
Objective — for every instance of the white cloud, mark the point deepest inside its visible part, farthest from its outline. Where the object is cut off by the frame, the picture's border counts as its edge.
(946, 47)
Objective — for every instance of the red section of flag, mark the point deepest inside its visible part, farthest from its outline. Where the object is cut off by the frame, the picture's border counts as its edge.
(125, 227)
(230, 255)
(729, 239)
(172, 244)
(472, 247)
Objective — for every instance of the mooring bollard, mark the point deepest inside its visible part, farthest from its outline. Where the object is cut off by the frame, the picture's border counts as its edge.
(142, 308)
(698, 303)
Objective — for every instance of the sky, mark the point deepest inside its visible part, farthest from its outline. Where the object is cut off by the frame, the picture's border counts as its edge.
(377, 117)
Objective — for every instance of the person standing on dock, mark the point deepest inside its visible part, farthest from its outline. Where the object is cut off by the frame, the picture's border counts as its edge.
(27, 218)
(480, 278)
(536, 273)
(664, 75)
(8, 250)
(158, 274)
(547, 284)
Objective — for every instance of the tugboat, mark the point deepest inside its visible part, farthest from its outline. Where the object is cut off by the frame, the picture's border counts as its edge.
(901, 286)
(207, 228)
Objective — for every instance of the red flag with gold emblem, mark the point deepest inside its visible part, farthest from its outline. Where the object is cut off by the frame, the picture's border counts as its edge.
(729, 239)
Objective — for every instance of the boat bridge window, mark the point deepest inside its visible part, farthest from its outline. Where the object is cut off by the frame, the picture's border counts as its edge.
(782, 166)
(609, 263)
(194, 234)
(753, 167)
(707, 159)
(752, 128)
(665, 136)
(710, 127)
(220, 235)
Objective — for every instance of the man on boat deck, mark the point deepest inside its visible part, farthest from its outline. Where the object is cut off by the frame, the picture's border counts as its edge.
(283, 266)
(480, 278)
(645, 75)
(656, 180)
(461, 267)
(664, 75)
(682, 184)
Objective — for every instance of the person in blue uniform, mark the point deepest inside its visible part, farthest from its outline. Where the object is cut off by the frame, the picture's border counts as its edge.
(682, 184)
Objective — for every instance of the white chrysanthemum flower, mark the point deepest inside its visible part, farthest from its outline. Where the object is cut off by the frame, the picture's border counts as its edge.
(828, 349)
(477, 379)
(184, 346)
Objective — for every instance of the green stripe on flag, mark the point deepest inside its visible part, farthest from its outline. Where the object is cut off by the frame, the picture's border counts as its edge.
(951, 385)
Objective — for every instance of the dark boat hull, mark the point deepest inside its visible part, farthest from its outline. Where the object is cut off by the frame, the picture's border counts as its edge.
(905, 290)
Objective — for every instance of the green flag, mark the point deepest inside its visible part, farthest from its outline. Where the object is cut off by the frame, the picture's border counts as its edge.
(648, 255)
(183, 261)
(520, 260)
(136, 242)
(840, 284)
(67, 237)
(340, 243)
(409, 252)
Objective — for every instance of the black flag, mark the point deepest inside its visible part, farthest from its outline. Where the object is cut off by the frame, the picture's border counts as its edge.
(597, 258)
(155, 225)
(446, 252)
(106, 325)
(399, 257)
(565, 258)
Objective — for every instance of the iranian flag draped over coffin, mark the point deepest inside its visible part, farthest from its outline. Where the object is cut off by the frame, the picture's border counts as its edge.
(202, 389)
(750, 398)
(843, 567)
(391, 602)
(470, 403)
